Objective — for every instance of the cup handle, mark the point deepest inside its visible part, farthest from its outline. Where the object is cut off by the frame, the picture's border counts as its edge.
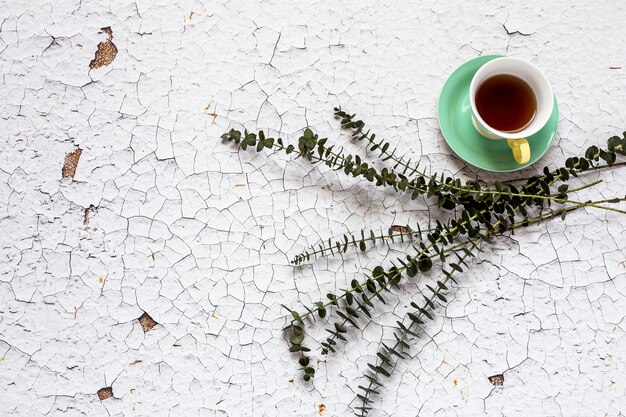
(521, 150)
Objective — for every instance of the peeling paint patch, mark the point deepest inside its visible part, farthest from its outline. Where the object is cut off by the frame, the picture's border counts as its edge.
(147, 322)
(106, 52)
(89, 211)
(400, 229)
(496, 380)
(105, 393)
(71, 163)
(213, 113)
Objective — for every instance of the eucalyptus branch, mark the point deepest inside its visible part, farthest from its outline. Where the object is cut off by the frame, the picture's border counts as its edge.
(420, 262)
(353, 305)
(296, 337)
(572, 165)
(352, 313)
(438, 235)
(386, 352)
(350, 240)
(352, 164)
(618, 149)
(313, 148)
(417, 317)
(379, 368)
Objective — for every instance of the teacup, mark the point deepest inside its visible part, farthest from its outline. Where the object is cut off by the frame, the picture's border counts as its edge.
(544, 103)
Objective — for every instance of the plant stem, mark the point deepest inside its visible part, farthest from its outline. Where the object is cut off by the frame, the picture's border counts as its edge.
(406, 164)
(594, 168)
(364, 408)
(493, 231)
(437, 291)
(419, 315)
(582, 187)
(400, 270)
(420, 253)
(411, 234)
(351, 290)
(338, 161)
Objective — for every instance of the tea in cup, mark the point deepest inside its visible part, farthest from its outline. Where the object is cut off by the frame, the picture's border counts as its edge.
(510, 99)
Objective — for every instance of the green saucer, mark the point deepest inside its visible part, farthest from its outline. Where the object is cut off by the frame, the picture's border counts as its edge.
(455, 122)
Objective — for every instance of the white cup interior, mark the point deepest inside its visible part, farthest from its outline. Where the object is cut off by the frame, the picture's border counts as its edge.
(527, 72)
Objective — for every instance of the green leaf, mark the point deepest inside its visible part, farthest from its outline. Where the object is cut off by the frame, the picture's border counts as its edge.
(303, 361)
(379, 369)
(611, 159)
(426, 313)
(394, 276)
(334, 334)
(347, 318)
(296, 340)
(374, 380)
(583, 164)
(250, 139)
(411, 269)
(378, 273)
(339, 328)
(296, 316)
(414, 318)
(349, 298)
(352, 312)
(235, 135)
(425, 263)
(383, 358)
(368, 390)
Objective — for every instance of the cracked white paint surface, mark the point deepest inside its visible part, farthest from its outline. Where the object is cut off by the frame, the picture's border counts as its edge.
(162, 217)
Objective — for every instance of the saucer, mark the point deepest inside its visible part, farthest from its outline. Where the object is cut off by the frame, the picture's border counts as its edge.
(455, 122)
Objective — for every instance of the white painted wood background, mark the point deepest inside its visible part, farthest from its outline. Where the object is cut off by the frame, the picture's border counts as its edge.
(162, 217)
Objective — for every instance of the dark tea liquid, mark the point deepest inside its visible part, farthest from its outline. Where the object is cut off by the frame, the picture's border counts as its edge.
(506, 103)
